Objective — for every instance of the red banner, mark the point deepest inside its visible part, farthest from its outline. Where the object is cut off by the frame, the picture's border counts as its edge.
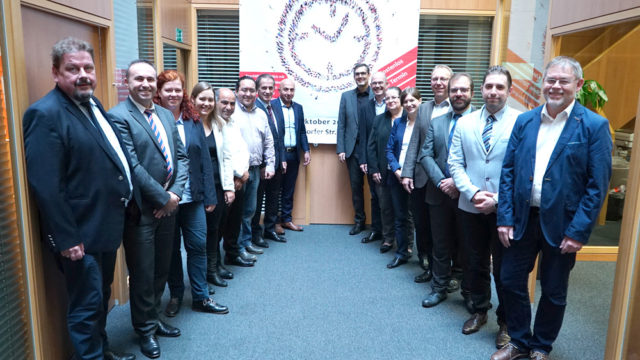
(401, 72)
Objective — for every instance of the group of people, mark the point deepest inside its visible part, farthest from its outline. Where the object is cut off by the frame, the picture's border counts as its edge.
(483, 190)
(162, 168)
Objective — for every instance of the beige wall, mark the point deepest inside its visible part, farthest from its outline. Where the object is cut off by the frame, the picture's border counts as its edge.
(565, 12)
(175, 14)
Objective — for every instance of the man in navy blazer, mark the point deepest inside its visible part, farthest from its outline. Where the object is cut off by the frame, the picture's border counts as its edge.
(554, 181)
(79, 172)
(291, 115)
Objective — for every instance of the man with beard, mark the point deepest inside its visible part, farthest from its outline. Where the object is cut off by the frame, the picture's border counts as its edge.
(554, 180)
(475, 160)
(79, 172)
(443, 198)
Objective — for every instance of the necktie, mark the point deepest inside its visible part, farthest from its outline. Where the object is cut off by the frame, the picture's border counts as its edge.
(92, 117)
(271, 116)
(163, 146)
(486, 133)
(453, 128)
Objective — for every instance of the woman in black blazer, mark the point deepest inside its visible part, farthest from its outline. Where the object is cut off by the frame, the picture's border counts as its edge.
(198, 196)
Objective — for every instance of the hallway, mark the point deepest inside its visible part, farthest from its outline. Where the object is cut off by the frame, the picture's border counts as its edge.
(324, 295)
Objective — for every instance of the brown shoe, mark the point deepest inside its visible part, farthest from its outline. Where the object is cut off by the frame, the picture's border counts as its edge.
(503, 337)
(474, 323)
(538, 355)
(279, 230)
(509, 352)
(291, 226)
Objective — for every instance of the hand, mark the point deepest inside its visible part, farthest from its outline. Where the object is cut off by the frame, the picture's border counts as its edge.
(342, 157)
(169, 207)
(74, 253)
(245, 177)
(268, 175)
(398, 174)
(209, 208)
(407, 183)
(483, 201)
(376, 177)
(229, 196)
(569, 246)
(363, 167)
(284, 167)
(448, 187)
(307, 158)
(505, 234)
(237, 183)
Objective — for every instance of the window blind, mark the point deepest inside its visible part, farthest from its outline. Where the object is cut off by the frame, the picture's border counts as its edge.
(218, 47)
(169, 57)
(145, 33)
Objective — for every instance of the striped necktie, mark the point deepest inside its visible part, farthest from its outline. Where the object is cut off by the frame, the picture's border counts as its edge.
(486, 133)
(163, 146)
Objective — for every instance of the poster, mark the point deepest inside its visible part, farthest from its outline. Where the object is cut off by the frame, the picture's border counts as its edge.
(317, 42)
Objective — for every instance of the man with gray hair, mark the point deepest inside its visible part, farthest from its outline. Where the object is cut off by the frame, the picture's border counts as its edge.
(79, 173)
(554, 180)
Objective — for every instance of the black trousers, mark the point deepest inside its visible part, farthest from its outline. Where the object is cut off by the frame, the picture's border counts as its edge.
(446, 236)
(213, 233)
(422, 222)
(480, 236)
(269, 190)
(88, 283)
(229, 228)
(148, 246)
(356, 180)
(288, 186)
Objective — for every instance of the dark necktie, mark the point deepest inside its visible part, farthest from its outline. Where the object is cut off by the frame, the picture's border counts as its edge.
(271, 116)
(92, 117)
(486, 133)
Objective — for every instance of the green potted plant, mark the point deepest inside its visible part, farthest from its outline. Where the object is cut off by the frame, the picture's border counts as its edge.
(592, 95)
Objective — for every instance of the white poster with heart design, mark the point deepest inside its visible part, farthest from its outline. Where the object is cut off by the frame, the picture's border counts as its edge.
(316, 43)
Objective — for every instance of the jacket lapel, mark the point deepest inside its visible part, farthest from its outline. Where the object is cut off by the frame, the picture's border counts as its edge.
(354, 103)
(139, 117)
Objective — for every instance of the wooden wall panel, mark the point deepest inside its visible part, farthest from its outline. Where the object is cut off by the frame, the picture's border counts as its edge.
(175, 14)
(567, 12)
(101, 8)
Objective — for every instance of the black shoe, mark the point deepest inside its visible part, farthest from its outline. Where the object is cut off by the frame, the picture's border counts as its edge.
(246, 256)
(209, 306)
(149, 346)
(271, 235)
(237, 261)
(453, 286)
(112, 355)
(397, 261)
(167, 330)
(253, 250)
(173, 307)
(434, 299)
(216, 280)
(372, 237)
(385, 247)
(356, 229)
(260, 242)
(224, 273)
(424, 277)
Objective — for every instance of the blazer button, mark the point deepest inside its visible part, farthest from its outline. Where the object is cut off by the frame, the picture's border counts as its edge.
(120, 178)
(487, 179)
(530, 178)
(487, 161)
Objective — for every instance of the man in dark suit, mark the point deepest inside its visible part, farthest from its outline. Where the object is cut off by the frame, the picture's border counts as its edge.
(414, 178)
(443, 197)
(355, 108)
(160, 166)
(79, 172)
(554, 180)
(291, 115)
(269, 189)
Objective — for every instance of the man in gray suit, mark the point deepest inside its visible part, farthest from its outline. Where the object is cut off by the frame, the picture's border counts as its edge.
(160, 166)
(443, 197)
(414, 178)
(475, 162)
(356, 107)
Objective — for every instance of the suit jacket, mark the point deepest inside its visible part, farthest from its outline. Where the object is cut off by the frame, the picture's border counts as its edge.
(411, 168)
(78, 181)
(278, 134)
(201, 182)
(433, 156)
(575, 182)
(147, 161)
(302, 143)
(350, 130)
(377, 145)
(472, 167)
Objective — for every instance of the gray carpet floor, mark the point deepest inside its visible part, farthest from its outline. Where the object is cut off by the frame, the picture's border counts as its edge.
(324, 295)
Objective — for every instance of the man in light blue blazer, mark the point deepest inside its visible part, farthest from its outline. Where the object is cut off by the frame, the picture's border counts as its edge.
(475, 161)
(554, 181)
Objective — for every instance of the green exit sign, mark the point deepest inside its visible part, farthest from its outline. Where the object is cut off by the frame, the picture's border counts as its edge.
(178, 35)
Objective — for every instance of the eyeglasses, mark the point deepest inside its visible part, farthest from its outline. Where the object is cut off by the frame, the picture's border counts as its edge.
(562, 82)
(361, 73)
(462, 90)
(391, 98)
(440, 79)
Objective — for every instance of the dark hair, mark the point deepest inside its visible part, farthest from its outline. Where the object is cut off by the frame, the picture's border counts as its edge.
(361, 65)
(409, 91)
(188, 112)
(497, 69)
(138, 61)
(245, 77)
(459, 75)
(262, 77)
(68, 45)
(394, 88)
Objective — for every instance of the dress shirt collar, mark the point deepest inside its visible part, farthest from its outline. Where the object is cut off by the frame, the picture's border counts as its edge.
(141, 108)
(364, 92)
(263, 103)
(498, 115)
(244, 108)
(567, 111)
(285, 106)
(443, 103)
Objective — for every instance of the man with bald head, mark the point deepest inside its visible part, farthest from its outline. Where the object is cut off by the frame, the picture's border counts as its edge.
(290, 114)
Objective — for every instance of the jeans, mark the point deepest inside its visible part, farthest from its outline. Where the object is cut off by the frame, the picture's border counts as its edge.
(249, 205)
